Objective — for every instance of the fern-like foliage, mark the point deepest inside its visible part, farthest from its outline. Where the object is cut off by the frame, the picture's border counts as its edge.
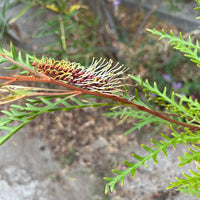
(189, 48)
(157, 147)
(23, 115)
(183, 106)
(192, 155)
(161, 146)
(190, 184)
(17, 57)
(144, 118)
(19, 116)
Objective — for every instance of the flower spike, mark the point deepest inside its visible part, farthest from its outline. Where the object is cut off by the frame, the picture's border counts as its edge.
(101, 76)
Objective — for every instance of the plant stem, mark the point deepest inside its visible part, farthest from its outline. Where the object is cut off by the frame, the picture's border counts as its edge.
(46, 79)
(24, 67)
(108, 96)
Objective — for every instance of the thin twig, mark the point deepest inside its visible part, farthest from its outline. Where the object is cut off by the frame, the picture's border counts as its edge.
(24, 67)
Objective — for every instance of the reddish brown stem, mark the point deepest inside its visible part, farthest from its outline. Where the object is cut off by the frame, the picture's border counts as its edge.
(24, 67)
(109, 96)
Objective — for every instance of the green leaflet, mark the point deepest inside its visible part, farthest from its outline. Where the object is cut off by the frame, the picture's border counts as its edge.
(14, 115)
(190, 184)
(153, 152)
(183, 106)
(162, 145)
(189, 49)
(16, 57)
(192, 155)
(144, 118)
(20, 13)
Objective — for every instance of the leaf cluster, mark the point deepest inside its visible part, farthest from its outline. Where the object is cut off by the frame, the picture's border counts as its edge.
(189, 184)
(22, 115)
(18, 57)
(190, 49)
(181, 107)
(178, 106)
(157, 147)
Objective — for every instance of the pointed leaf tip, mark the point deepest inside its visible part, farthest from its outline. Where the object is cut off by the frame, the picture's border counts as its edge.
(14, 55)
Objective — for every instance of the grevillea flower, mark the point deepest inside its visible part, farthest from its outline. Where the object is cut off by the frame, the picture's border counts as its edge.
(101, 76)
